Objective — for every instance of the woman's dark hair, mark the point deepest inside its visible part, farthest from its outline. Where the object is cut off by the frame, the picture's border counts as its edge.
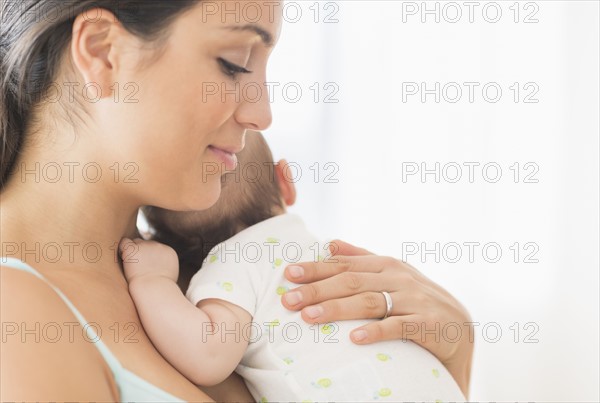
(33, 37)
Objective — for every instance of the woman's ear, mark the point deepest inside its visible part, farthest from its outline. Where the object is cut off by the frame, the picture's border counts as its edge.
(288, 190)
(93, 48)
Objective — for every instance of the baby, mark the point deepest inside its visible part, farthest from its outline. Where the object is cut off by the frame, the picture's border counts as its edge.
(232, 318)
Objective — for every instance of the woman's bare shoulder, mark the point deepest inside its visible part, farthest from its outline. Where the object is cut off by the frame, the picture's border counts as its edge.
(44, 354)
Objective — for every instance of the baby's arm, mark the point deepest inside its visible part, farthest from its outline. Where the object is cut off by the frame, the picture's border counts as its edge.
(184, 334)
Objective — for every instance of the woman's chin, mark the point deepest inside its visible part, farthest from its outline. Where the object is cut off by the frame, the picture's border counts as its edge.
(202, 200)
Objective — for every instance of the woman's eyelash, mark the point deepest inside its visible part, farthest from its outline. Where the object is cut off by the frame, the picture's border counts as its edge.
(231, 69)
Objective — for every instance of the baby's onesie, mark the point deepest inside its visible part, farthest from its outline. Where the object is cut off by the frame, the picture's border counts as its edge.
(290, 360)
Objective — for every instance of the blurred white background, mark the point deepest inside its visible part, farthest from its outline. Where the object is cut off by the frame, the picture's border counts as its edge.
(544, 220)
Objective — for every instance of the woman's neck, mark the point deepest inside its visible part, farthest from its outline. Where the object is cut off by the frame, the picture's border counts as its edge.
(73, 223)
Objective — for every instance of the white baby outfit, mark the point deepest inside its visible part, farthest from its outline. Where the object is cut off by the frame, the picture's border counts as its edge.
(290, 360)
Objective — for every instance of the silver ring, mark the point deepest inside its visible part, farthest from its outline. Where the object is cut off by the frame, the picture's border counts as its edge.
(388, 304)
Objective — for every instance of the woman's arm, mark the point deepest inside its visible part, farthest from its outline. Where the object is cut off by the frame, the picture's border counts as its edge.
(38, 365)
(189, 337)
(349, 285)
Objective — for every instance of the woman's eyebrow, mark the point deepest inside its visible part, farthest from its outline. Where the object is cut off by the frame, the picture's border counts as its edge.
(266, 37)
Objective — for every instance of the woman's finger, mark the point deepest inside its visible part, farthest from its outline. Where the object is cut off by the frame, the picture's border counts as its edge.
(347, 284)
(339, 247)
(367, 305)
(408, 327)
(340, 286)
(307, 272)
(443, 339)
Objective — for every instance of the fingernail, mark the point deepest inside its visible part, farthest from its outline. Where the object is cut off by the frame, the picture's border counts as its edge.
(313, 311)
(359, 335)
(293, 298)
(296, 271)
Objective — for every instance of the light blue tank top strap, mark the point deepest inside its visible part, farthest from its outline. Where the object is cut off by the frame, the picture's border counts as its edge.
(132, 388)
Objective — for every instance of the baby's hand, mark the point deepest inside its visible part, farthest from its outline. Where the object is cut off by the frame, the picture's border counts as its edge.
(148, 258)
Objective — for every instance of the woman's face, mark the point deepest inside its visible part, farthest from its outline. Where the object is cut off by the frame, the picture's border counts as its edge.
(180, 117)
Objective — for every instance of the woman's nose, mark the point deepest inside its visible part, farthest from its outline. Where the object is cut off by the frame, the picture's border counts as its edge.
(254, 112)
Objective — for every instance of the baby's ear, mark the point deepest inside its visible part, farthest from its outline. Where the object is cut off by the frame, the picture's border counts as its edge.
(287, 187)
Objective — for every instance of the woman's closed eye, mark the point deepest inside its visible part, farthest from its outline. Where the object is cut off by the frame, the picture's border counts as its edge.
(230, 69)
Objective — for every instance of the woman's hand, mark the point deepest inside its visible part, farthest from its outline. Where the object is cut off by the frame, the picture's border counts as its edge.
(348, 285)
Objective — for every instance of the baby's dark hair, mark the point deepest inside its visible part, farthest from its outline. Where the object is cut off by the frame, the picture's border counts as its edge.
(249, 195)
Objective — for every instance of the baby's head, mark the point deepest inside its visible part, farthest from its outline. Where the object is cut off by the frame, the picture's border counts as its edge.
(255, 191)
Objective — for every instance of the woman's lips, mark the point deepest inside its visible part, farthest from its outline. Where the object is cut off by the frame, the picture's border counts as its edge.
(227, 158)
